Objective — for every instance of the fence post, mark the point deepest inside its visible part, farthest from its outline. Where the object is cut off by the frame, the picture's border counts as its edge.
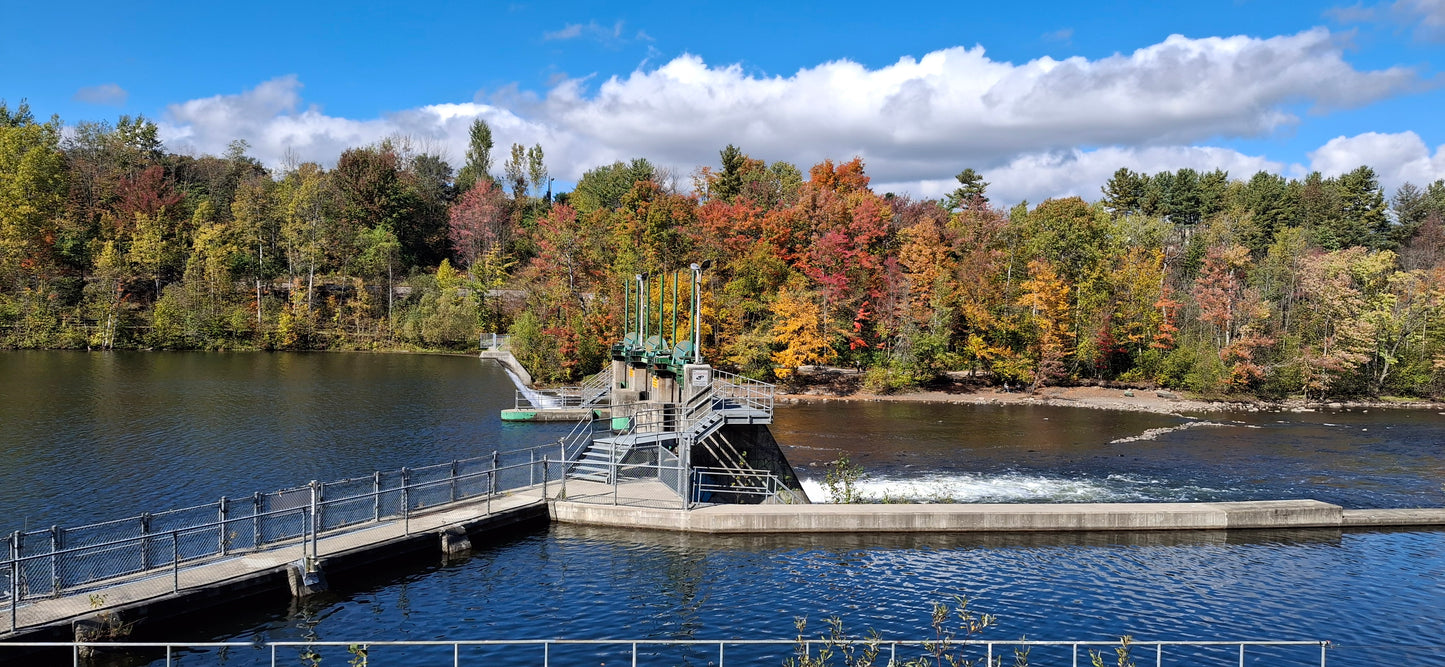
(256, 521)
(315, 515)
(376, 496)
(531, 468)
(56, 542)
(406, 501)
(14, 579)
(145, 541)
(454, 480)
(224, 544)
(545, 475)
(492, 478)
(175, 561)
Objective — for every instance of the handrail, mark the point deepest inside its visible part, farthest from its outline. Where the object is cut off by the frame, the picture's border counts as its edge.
(992, 649)
(306, 514)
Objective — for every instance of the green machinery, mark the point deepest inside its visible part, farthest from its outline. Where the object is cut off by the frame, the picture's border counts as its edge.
(652, 350)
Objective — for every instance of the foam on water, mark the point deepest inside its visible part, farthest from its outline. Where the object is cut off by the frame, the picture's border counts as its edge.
(1009, 487)
(1017, 487)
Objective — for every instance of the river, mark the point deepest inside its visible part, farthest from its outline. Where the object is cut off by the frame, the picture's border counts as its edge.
(88, 437)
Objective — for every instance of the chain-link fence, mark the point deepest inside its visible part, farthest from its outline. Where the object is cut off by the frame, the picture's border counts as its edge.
(155, 548)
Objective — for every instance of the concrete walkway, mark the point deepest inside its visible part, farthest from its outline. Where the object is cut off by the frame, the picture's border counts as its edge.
(944, 518)
(262, 569)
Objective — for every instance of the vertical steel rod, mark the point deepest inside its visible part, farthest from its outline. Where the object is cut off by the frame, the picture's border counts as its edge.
(454, 480)
(376, 496)
(1158, 655)
(315, 510)
(145, 531)
(545, 474)
(224, 544)
(175, 561)
(634, 644)
(406, 501)
(256, 521)
(55, 542)
(14, 580)
(1241, 655)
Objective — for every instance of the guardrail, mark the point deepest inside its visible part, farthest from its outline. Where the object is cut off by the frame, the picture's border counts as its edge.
(744, 391)
(60, 561)
(745, 482)
(740, 651)
(595, 391)
(494, 341)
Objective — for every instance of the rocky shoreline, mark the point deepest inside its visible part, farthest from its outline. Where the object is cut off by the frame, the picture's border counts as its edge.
(1099, 398)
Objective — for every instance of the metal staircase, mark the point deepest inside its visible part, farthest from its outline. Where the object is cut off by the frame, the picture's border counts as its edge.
(728, 399)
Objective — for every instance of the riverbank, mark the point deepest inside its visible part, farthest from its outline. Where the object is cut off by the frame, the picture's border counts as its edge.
(836, 387)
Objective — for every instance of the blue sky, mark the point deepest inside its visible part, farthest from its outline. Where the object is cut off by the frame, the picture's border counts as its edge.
(1045, 99)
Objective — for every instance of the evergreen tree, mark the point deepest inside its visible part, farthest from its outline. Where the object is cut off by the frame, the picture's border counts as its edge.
(969, 193)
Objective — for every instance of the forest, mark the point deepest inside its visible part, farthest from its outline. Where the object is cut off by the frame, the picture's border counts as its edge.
(1257, 287)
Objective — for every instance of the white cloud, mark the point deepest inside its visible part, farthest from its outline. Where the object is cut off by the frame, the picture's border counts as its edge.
(1396, 158)
(1038, 176)
(572, 31)
(914, 121)
(1064, 35)
(610, 36)
(109, 94)
(1426, 18)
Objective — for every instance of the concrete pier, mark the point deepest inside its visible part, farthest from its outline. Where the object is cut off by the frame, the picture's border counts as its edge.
(643, 509)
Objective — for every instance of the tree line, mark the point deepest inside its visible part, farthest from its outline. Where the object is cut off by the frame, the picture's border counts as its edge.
(1262, 287)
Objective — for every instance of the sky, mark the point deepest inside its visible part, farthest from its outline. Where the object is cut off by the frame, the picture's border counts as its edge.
(1044, 99)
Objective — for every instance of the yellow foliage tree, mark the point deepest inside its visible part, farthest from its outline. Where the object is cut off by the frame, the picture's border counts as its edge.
(799, 328)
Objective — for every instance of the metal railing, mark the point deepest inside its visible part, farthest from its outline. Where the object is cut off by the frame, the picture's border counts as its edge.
(710, 484)
(739, 651)
(494, 341)
(744, 391)
(60, 561)
(594, 392)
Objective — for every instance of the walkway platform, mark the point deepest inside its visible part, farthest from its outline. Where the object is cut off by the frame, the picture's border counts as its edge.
(170, 592)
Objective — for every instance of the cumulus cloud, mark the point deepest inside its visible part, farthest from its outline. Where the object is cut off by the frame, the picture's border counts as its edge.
(914, 121)
(1037, 176)
(108, 94)
(1397, 158)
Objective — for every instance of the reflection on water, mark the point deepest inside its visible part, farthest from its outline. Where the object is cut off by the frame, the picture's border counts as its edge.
(98, 436)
